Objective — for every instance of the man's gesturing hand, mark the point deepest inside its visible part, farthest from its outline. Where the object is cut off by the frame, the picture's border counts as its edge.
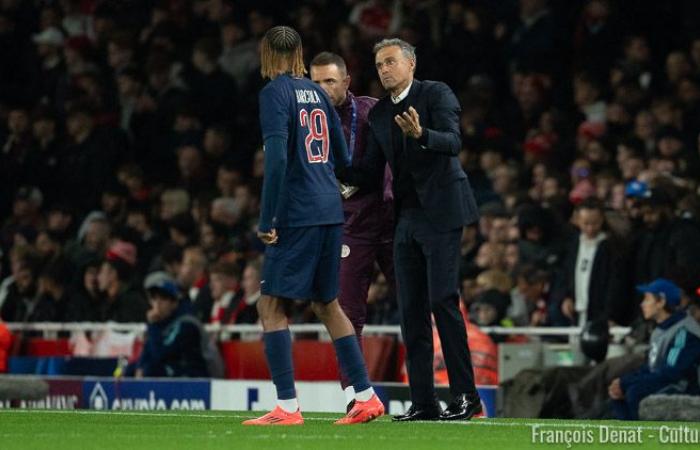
(409, 122)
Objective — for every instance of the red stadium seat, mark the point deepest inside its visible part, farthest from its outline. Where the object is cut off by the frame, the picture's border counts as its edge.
(244, 360)
(47, 347)
(314, 361)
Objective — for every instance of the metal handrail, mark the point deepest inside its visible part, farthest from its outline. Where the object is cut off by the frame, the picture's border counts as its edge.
(54, 327)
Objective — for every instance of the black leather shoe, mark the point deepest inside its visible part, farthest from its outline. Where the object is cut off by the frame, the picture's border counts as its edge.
(463, 407)
(419, 413)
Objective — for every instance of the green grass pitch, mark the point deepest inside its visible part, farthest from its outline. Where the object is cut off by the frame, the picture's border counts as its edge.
(58, 430)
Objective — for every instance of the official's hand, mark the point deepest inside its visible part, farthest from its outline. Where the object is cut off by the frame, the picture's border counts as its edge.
(409, 122)
(268, 238)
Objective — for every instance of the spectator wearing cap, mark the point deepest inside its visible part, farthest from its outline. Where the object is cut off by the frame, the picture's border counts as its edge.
(588, 285)
(173, 346)
(674, 354)
(122, 302)
(630, 206)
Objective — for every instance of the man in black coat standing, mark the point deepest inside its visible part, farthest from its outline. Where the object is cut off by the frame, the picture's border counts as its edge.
(416, 130)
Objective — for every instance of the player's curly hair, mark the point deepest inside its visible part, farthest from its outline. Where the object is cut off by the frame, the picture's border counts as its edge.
(281, 43)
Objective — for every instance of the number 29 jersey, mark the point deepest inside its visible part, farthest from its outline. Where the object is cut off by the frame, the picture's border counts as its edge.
(298, 110)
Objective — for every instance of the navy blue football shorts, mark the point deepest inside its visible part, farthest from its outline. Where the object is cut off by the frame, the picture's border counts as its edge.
(304, 264)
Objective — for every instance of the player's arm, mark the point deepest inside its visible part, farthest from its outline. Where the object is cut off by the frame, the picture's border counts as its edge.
(368, 175)
(274, 122)
(273, 182)
(341, 156)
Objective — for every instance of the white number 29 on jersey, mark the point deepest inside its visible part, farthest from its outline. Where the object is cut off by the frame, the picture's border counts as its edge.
(317, 140)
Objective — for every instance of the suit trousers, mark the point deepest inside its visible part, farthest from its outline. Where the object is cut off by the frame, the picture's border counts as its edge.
(426, 262)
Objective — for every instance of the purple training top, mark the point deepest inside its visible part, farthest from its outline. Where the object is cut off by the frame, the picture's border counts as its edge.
(368, 216)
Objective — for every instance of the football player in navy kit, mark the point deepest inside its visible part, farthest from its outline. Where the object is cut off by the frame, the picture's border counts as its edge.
(301, 221)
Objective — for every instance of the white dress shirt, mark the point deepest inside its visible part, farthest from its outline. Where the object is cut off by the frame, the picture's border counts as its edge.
(402, 95)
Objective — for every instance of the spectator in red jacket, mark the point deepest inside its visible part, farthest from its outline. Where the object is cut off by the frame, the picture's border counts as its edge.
(5, 343)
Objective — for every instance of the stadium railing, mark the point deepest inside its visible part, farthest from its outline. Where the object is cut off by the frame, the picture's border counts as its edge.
(50, 330)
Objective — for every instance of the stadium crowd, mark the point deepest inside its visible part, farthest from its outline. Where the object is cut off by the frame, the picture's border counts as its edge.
(129, 143)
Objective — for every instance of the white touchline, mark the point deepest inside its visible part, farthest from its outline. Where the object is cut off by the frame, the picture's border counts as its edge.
(476, 422)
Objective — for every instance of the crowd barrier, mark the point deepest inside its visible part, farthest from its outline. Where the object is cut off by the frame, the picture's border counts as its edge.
(51, 329)
(114, 394)
(242, 350)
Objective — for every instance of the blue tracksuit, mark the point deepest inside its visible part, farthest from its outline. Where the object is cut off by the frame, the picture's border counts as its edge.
(672, 366)
(173, 347)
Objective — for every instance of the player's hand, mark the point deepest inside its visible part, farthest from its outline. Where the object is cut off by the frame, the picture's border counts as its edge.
(409, 122)
(268, 238)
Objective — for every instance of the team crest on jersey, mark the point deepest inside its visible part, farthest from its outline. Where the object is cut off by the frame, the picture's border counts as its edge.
(345, 251)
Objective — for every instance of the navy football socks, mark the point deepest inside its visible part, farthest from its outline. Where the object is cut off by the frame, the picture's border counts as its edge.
(351, 362)
(278, 350)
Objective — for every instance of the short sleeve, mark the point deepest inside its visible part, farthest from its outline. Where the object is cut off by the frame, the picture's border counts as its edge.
(274, 113)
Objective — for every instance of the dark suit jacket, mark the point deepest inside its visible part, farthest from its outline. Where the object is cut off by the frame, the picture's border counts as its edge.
(441, 184)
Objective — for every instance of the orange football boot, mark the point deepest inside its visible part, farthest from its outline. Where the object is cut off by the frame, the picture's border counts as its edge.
(363, 412)
(278, 416)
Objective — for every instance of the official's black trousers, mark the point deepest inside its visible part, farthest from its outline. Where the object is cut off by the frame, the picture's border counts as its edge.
(426, 262)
